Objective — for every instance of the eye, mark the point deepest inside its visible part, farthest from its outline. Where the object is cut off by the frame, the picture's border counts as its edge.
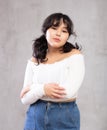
(65, 31)
(54, 27)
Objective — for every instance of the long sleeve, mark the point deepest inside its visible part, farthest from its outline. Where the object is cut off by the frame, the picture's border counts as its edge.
(74, 75)
(68, 73)
(36, 90)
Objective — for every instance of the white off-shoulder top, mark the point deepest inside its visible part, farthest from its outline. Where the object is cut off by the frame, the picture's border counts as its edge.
(68, 73)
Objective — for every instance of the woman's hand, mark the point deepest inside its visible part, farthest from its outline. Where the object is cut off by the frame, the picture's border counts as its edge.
(24, 91)
(53, 90)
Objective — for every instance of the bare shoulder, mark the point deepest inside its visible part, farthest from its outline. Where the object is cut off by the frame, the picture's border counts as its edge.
(75, 51)
(33, 59)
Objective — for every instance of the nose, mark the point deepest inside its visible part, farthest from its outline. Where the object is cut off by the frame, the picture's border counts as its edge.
(58, 33)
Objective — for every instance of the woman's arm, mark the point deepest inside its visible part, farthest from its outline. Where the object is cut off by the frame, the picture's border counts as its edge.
(32, 92)
(52, 90)
(74, 76)
(24, 91)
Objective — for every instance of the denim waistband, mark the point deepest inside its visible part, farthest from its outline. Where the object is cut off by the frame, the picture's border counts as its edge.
(55, 103)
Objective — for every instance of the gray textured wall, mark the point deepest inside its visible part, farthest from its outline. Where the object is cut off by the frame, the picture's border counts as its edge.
(20, 23)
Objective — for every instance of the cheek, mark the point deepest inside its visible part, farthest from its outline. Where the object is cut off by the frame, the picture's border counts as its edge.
(65, 38)
(48, 35)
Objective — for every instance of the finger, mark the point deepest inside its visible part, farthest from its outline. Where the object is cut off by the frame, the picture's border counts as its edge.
(58, 88)
(60, 92)
(23, 93)
(55, 95)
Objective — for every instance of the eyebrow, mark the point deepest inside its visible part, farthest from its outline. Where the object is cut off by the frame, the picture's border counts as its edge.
(65, 28)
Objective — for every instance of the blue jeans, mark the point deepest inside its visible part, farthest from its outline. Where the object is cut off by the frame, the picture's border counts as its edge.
(44, 115)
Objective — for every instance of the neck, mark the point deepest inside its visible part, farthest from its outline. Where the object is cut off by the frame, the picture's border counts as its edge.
(52, 50)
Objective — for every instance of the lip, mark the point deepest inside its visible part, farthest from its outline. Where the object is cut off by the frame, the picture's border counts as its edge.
(56, 39)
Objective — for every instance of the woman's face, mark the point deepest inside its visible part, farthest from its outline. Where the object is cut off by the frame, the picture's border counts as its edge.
(57, 36)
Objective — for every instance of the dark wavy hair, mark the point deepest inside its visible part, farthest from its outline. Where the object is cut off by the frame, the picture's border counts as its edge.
(40, 45)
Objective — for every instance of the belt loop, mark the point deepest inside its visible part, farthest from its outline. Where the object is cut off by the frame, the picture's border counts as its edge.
(60, 104)
(48, 105)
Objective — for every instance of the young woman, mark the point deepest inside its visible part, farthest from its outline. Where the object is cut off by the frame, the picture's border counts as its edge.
(53, 77)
